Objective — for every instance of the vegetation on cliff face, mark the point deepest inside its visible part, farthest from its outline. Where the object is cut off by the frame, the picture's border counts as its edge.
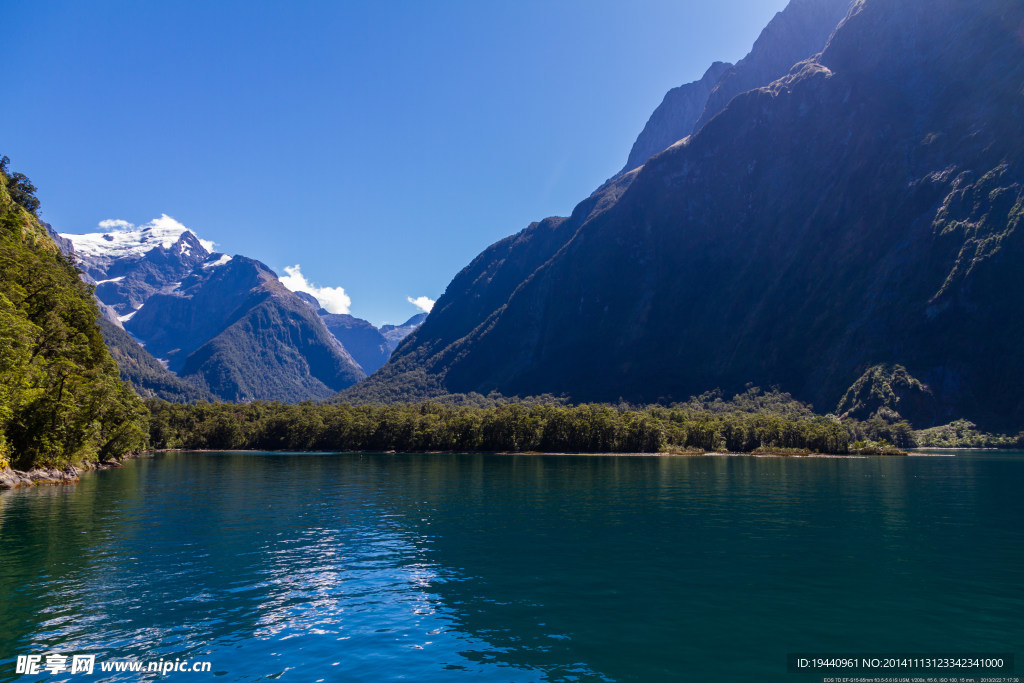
(888, 392)
(61, 400)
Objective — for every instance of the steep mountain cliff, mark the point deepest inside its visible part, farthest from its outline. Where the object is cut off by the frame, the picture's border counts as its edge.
(862, 210)
(798, 32)
(486, 284)
(676, 116)
(793, 35)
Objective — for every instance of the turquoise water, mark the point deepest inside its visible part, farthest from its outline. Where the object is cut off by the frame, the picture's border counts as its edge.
(368, 567)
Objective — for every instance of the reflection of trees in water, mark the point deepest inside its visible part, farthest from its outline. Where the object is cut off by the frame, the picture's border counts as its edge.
(51, 538)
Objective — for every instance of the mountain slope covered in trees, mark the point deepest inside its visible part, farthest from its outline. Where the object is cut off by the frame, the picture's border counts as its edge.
(146, 374)
(61, 400)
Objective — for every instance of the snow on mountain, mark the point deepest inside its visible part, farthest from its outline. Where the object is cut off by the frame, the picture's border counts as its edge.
(113, 279)
(129, 263)
(120, 238)
(213, 263)
(396, 333)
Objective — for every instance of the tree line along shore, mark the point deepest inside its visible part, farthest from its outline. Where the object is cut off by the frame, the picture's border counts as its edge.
(754, 422)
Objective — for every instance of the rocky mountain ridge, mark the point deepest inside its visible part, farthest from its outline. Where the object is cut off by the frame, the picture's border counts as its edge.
(798, 32)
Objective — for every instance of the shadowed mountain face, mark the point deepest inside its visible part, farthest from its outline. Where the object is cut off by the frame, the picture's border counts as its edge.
(364, 341)
(676, 116)
(863, 210)
(798, 32)
(147, 375)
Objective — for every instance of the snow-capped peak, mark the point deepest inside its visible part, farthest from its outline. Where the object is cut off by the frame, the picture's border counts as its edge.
(119, 238)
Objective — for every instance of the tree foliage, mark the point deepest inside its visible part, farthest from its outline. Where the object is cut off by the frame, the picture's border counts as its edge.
(61, 399)
(748, 422)
(21, 191)
(965, 434)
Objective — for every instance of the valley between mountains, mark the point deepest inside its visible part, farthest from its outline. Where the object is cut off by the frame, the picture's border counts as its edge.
(837, 216)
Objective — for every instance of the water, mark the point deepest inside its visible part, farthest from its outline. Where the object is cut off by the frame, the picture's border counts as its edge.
(369, 567)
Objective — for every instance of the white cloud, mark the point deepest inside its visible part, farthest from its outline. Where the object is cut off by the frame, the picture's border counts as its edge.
(422, 302)
(116, 224)
(334, 299)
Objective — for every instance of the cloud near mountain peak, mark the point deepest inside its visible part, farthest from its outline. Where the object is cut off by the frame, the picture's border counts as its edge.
(333, 299)
(422, 302)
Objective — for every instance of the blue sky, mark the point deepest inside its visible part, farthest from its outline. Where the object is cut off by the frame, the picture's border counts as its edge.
(379, 145)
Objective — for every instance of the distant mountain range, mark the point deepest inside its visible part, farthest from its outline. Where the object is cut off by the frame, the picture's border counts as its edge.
(185, 323)
(845, 199)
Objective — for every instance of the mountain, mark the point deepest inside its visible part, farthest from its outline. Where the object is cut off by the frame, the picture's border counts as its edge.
(794, 34)
(395, 334)
(370, 346)
(129, 264)
(146, 374)
(365, 342)
(675, 117)
(225, 325)
(860, 211)
(798, 32)
(235, 329)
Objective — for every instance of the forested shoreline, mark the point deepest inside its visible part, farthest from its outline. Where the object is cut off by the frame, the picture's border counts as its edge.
(752, 422)
(756, 421)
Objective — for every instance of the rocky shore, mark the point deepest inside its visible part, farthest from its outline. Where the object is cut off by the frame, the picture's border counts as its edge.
(70, 474)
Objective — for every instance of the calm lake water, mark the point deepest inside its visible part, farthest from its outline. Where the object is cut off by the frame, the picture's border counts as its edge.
(368, 567)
